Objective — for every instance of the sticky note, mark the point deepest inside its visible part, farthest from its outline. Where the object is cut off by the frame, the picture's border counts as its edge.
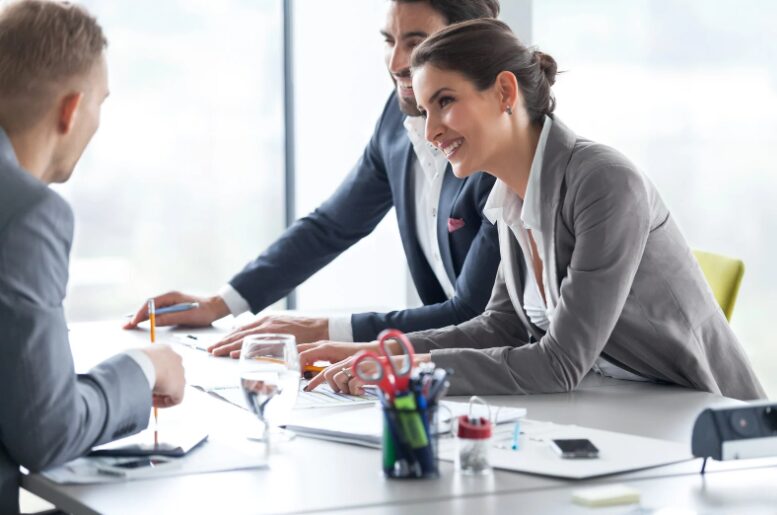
(606, 495)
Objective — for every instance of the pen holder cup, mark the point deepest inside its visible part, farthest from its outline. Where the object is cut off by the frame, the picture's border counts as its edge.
(410, 443)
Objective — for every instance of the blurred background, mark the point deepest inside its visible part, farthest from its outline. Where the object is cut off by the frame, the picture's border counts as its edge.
(185, 182)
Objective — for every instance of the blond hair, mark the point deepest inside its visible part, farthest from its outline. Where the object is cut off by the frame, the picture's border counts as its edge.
(43, 44)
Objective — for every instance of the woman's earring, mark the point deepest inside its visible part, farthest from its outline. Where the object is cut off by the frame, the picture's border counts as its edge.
(509, 110)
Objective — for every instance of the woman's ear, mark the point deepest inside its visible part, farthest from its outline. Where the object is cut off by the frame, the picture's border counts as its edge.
(508, 91)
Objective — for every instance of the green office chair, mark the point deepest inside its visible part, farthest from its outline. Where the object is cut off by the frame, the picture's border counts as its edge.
(724, 275)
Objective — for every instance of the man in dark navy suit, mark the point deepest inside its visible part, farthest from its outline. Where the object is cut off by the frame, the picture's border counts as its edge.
(452, 251)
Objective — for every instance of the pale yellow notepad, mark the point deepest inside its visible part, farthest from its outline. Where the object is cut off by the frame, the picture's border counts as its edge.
(607, 495)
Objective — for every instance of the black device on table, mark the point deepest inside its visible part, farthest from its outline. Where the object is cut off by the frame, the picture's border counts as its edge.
(172, 442)
(575, 448)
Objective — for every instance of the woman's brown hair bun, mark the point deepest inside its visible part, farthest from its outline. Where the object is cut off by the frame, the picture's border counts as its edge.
(548, 66)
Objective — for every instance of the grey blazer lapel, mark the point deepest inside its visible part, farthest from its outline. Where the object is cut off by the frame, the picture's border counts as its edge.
(558, 152)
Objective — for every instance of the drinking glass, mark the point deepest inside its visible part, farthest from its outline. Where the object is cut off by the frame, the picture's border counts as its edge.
(269, 378)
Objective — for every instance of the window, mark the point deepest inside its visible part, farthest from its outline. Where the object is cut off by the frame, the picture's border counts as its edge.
(341, 86)
(183, 183)
(687, 90)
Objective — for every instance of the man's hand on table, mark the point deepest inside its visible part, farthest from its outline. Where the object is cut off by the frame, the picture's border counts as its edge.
(210, 309)
(304, 329)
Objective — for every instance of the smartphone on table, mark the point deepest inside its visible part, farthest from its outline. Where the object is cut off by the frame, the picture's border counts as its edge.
(575, 448)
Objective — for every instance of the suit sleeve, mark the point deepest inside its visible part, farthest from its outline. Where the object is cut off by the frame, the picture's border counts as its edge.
(48, 414)
(610, 218)
(351, 213)
(472, 288)
(498, 325)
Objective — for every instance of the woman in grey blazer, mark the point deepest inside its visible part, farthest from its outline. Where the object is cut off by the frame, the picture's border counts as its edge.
(595, 273)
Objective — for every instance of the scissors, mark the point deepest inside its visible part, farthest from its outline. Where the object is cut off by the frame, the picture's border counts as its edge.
(380, 369)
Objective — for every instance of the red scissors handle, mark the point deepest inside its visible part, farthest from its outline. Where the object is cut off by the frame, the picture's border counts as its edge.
(374, 369)
(402, 375)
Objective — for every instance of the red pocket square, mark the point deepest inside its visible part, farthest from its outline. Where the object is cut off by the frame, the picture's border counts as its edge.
(454, 224)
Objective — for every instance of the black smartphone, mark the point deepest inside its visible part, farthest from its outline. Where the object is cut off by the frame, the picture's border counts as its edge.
(575, 448)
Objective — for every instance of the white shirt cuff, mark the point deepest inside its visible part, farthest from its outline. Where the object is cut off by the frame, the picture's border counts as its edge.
(234, 301)
(145, 364)
(340, 329)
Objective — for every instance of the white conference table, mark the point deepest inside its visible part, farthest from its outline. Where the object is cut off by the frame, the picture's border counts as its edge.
(746, 491)
(307, 475)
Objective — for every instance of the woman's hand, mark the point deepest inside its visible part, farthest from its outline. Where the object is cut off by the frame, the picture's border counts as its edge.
(333, 352)
(338, 353)
(341, 378)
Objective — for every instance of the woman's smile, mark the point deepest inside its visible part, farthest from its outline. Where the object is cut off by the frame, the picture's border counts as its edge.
(450, 147)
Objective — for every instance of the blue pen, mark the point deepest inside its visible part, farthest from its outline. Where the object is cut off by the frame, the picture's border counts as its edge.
(516, 435)
(177, 308)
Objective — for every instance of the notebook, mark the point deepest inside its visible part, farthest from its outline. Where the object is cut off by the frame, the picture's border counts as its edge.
(171, 440)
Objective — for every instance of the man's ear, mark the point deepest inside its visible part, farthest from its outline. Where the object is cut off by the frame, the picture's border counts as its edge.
(507, 89)
(68, 110)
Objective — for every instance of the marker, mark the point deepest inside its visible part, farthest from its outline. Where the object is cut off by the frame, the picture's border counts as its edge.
(177, 308)
(516, 435)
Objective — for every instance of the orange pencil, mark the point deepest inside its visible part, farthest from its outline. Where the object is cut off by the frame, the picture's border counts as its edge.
(308, 371)
(307, 368)
(152, 318)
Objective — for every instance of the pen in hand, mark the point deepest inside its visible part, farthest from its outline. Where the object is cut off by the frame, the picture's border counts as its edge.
(177, 308)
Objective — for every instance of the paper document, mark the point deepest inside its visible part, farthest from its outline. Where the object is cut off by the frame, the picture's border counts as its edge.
(215, 455)
(324, 397)
(618, 452)
(225, 449)
(364, 425)
(196, 338)
(321, 397)
(220, 376)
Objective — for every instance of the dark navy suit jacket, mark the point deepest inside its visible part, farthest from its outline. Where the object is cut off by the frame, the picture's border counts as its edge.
(383, 178)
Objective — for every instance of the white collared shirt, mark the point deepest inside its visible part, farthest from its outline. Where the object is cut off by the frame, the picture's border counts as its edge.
(524, 215)
(428, 174)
